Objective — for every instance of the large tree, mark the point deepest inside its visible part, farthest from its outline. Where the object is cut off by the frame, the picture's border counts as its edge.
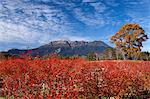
(129, 40)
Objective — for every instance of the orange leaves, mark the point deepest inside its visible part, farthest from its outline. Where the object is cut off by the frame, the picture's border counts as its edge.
(130, 36)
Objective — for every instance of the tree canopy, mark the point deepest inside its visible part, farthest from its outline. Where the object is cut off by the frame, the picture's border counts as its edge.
(129, 40)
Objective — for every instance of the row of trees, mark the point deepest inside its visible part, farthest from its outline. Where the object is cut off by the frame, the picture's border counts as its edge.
(113, 54)
(108, 54)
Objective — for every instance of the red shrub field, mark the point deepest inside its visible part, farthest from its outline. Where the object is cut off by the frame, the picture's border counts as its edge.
(55, 78)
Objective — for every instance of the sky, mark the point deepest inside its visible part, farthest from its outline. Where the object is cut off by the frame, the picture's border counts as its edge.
(32, 23)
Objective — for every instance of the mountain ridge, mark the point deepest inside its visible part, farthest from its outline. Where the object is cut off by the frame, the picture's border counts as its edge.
(65, 48)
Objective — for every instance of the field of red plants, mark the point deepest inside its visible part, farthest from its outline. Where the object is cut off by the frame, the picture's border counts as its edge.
(54, 78)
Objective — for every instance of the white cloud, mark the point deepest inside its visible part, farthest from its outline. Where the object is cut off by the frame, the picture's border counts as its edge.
(141, 19)
(136, 2)
(113, 3)
(49, 17)
(22, 36)
(89, 1)
(74, 38)
(91, 19)
(99, 7)
(32, 15)
(16, 33)
(46, 38)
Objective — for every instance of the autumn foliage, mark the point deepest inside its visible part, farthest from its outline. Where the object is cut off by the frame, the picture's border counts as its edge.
(54, 78)
(129, 40)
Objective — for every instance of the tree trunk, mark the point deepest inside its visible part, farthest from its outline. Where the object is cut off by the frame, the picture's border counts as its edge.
(124, 56)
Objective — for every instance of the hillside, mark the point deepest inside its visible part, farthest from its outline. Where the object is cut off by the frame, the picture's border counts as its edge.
(65, 48)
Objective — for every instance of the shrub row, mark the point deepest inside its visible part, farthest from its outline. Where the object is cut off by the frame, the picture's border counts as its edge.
(74, 78)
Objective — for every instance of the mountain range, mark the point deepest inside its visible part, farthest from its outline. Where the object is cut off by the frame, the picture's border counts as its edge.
(65, 48)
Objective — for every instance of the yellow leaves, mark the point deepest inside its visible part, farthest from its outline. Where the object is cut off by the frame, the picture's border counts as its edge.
(118, 43)
(131, 27)
(129, 39)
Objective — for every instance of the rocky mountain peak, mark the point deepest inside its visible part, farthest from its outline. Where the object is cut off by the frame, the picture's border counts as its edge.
(66, 48)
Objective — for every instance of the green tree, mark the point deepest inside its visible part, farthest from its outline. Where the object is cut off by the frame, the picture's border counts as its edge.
(91, 56)
(129, 40)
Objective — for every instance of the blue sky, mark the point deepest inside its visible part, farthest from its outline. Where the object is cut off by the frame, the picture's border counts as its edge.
(32, 23)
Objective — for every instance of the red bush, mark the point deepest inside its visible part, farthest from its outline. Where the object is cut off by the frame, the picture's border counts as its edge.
(73, 78)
